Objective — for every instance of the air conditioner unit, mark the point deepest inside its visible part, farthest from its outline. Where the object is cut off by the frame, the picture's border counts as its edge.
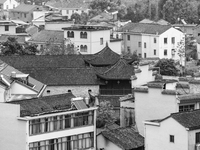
(197, 146)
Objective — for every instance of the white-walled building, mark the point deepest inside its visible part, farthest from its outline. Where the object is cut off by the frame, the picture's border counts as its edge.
(153, 102)
(178, 131)
(8, 4)
(15, 85)
(52, 122)
(91, 39)
(7, 27)
(152, 40)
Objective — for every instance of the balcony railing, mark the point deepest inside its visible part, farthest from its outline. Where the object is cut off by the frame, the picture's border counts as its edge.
(62, 122)
(115, 91)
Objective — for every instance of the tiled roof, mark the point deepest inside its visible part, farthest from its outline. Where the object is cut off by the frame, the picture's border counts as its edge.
(55, 37)
(57, 3)
(126, 138)
(114, 100)
(145, 28)
(43, 105)
(64, 76)
(192, 96)
(189, 119)
(20, 38)
(37, 86)
(44, 61)
(104, 58)
(121, 70)
(102, 17)
(32, 30)
(24, 8)
(142, 89)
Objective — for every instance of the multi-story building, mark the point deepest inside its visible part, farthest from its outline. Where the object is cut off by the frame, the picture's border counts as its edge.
(8, 4)
(91, 39)
(180, 131)
(158, 99)
(152, 40)
(24, 12)
(15, 85)
(68, 7)
(7, 27)
(59, 122)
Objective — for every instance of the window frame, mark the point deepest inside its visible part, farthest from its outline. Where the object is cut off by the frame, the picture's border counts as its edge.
(154, 51)
(139, 44)
(173, 40)
(165, 40)
(165, 52)
(6, 27)
(171, 138)
(128, 37)
(145, 45)
(155, 40)
(101, 41)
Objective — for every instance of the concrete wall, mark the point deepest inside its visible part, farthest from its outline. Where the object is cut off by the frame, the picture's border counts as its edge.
(172, 32)
(153, 105)
(17, 88)
(12, 30)
(79, 91)
(2, 94)
(158, 137)
(57, 25)
(93, 40)
(127, 113)
(12, 131)
(102, 142)
(143, 77)
(192, 139)
(133, 43)
(116, 46)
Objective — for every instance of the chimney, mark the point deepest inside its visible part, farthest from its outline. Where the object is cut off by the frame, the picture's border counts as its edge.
(13, 74)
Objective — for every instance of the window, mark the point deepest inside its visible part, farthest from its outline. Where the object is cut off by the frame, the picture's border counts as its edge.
(197, 137)
(173, 51)
(186, 108)
(83, 48)
(171, 138)
(128, 48)
(145, 55)
(173, 40)
(165, 40)
(70, 34)
(75, 142)
(154, 40)
(101, 41)
(83, 35)
(154, 52)
(67, 11)
(128, 37)
(165, 52)
(48, 91)
(6, 27)
(198, 34)
(24, 15)
(139, 44)
(13, 6)
(145, 45)
(6, 6)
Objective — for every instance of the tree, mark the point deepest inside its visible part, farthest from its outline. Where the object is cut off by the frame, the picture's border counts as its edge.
(105, 114)
(12, 47)
(182, 9)
(103, 5)
(50, 48)
(167, 67)
(76, 17)
(84, 18)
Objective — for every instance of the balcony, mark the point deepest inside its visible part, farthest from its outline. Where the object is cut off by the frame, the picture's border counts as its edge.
(61, 122)
(115, 91)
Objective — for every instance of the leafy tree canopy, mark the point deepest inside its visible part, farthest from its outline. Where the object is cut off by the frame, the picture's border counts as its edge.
(167, 67)
(12, 47)
(105, 114)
